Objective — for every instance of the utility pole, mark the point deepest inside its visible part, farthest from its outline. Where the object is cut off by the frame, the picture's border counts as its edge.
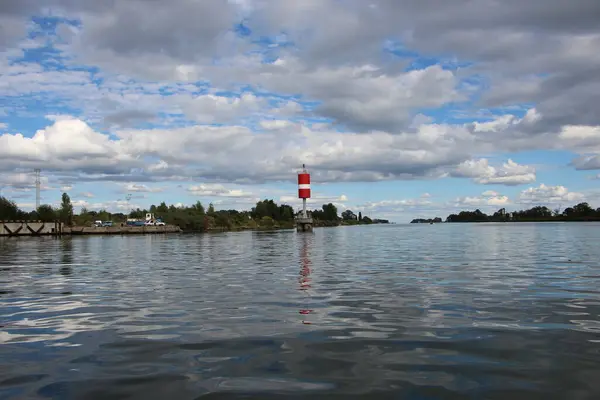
(128, 197)
(38, 183)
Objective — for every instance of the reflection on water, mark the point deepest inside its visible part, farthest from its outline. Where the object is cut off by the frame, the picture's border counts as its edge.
(66, 252)
(489, 311)
(305, 241)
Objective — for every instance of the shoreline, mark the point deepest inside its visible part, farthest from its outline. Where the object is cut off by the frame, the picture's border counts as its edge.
(119, 230)
(39, 228)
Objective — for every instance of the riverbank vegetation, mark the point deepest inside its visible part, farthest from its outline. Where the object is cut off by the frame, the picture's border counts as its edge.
(579, 212)
(266, 214)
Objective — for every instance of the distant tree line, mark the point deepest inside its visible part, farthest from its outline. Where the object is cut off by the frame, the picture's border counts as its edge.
(349, 218)
(579, 212)
(265, 214)
(426, 221)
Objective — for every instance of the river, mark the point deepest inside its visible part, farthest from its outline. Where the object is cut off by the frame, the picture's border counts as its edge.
(447, 311)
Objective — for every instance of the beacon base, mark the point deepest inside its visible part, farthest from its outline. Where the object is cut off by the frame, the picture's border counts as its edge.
(304, 224)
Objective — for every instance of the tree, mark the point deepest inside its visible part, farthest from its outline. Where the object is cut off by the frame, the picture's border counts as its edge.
(66, 210)
(568, 212)
(46, 213)
(268, 208)
(8, 209)
(137, 213)
(499, 215)
(223, 219)
(267, 222)
(348, 215)
(260, 210)
(286, 212)
(211, 209)
(199, 208)
(330, 212)
(583, 209)
(359, 216)
(84, 218)
(103, 215)
(162, 208)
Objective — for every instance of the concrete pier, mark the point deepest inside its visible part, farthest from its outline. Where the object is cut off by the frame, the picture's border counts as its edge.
(39, 228)
(30, 228)
(304, 224)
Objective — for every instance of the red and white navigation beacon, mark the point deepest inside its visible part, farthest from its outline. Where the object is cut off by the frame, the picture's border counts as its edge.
(304, 188)
(304, 222)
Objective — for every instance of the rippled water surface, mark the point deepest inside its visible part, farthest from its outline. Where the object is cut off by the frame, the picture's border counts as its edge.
(451, 311)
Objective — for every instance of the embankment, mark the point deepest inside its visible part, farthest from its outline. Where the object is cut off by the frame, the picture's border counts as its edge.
(119, 230)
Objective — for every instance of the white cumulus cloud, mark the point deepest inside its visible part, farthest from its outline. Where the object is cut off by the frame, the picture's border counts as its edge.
(510, 173)
(544, 194)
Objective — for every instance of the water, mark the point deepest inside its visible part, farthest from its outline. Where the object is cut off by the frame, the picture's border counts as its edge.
(453, 311)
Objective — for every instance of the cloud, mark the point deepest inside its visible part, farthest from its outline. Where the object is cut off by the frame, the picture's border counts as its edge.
(316, 201)
(21, 180)
(509, 174)
(358, 90)
(114, 206)
(396, 203)
(587, 162)
(133, 28)
(13, 17)
(276, 124)
(363, 98)
(68, 144)
(487, 198)
(400, 209)
(313, 40)
(586, 140)
(212, 108)
(231, 153)
(127, 118)
(217, 190)
(140, 188)
(334, 55)
(549, 195)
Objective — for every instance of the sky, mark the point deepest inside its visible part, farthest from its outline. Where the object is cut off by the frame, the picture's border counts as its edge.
(400, 109)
